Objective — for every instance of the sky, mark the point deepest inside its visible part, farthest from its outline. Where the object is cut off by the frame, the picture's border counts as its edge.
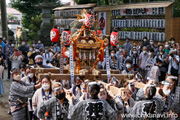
(63, 1)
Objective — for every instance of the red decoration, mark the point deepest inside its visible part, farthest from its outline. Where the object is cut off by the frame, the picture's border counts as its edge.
(114, 38)
(100, 34)
(54, 35)
(66, 37)
(89, 20)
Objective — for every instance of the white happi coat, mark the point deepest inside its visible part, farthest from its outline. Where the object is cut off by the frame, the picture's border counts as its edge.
(38, 98)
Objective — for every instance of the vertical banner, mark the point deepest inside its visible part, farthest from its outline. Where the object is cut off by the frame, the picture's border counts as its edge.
(61, 60)
(107, 65)
(102, 22)
(71, 64)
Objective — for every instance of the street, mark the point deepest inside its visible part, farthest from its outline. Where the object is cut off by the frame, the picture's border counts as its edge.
(4, 105)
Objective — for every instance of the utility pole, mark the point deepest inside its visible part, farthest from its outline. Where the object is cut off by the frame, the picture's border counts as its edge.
(4, 19)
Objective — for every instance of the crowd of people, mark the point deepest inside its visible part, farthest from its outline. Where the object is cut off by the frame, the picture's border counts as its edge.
(155, 67)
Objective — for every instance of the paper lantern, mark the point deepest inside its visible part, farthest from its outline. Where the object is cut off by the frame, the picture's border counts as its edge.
(89, 20)
(114, 38)
(100, 34)
(54, 35)
(66, 37)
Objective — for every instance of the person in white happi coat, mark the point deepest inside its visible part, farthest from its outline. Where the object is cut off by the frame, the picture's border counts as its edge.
(43, 94)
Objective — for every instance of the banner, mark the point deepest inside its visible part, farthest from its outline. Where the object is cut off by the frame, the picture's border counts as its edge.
(71, 64)
(102, 22)
(107, 65)
(61, 60)
(139, 11)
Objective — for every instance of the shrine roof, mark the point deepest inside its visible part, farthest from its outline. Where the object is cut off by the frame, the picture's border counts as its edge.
(76, 7)
(132, 6)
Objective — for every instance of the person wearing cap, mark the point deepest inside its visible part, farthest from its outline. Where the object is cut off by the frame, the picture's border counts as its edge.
(55, 108)
(40, 45)
(16, 58)
(164, 94)
(127, 46)
(152, 46)
(148, 106)
(135, 59)
(39, 62)
(128, 67)
(173, 61)
(175, 94)
(18, 96)
(93, 108)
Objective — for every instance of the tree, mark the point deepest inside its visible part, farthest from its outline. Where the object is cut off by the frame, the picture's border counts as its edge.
(29, 9)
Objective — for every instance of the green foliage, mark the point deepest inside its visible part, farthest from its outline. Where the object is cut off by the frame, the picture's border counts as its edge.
(34, 26)
(176, 10)
(12, 17)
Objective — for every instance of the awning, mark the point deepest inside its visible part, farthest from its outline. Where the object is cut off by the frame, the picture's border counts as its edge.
(76, 7)
(132, 6)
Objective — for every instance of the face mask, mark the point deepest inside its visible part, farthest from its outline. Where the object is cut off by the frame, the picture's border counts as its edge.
(23, 43)
(166, 92)
(161, 50)
(172, 42)
(55, 45)
(120, 50)
(103, 97)
(150, 54)
(39, 42)
(33, 45)
(30, 49)
(12, 45)
(134, 52)
(46, 51)
(23, 72)
(79, 86)
(144, 40)
(151, 43)
(128, 65)
(45, 86)
(60, 96)
(18, 77)
(166, 46)
(30, 75)
(112, 54)
(144, 52)
(39, 63)
(160, 65)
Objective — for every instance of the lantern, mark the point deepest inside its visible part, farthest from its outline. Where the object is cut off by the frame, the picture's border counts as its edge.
(114, 38)
(89, 20)
(100, 34)
(54, 35)
(66, 37)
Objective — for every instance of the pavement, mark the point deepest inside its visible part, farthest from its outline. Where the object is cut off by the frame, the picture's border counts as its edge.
(4, 105)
